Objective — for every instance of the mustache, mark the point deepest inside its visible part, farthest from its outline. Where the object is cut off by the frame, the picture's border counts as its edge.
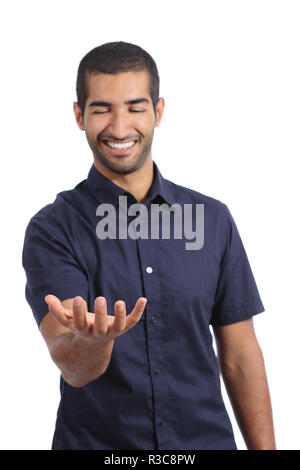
(124, 139)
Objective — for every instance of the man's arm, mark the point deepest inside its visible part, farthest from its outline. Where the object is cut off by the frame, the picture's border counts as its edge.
(80, 343)
(243, 371)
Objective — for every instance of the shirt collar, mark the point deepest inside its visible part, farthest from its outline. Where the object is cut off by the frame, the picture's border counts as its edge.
(106, 191)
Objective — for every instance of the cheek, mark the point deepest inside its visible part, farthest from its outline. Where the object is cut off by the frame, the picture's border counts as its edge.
(145, 125)
(94, 128)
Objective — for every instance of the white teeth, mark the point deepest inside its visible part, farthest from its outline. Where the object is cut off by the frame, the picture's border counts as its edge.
(120, 146)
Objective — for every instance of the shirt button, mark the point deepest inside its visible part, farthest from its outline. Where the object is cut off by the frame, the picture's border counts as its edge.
(154, 320)
(149, 270)
(157, 371)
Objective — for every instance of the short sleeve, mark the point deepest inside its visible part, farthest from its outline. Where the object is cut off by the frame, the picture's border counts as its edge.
(237, 297)
(50, 267)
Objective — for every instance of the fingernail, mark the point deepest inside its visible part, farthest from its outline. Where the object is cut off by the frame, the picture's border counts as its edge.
(120, 307)
(100, 301)
(77, 302)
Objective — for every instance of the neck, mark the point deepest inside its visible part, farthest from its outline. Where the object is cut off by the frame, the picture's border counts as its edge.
(137, 183)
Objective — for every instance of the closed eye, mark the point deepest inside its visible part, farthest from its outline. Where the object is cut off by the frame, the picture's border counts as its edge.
(131, 110)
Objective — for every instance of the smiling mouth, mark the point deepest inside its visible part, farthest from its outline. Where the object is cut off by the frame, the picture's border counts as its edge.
(118, 148)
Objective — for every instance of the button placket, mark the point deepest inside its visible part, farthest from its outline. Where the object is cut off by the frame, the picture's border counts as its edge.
(155, 343)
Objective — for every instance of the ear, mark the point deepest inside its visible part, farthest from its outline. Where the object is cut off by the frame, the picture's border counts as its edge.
(159, 111)
(78, 116)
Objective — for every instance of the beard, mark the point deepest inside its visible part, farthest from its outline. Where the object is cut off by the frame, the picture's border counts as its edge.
(120, 163)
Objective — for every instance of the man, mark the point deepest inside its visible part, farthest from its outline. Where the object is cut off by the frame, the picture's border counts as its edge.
(126, 318)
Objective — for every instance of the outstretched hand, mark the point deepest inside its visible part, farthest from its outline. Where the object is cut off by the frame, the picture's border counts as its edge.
(98, 324)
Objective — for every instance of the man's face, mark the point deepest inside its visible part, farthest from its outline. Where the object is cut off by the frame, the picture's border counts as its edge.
(119, 119)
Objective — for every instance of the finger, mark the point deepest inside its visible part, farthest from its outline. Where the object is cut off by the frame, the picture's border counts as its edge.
(136, 313)
(119, 323)
(57, 309)
(79, 314)
(101, 321)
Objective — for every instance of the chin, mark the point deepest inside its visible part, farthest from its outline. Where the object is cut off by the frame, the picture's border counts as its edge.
(121, 167)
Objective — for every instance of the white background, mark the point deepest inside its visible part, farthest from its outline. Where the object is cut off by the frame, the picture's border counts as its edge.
(230, 77)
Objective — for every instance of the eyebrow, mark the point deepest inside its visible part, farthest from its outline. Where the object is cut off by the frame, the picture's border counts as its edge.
(106, 103)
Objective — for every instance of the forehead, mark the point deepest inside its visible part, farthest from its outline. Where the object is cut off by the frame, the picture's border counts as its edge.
(119, 87)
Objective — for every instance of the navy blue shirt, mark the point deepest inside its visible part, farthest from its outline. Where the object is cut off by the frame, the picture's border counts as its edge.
(161, 389)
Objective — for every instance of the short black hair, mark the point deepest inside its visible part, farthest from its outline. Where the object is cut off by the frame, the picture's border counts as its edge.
(114, 58)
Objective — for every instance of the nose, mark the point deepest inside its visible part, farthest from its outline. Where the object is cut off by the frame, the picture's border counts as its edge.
(119, 125)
